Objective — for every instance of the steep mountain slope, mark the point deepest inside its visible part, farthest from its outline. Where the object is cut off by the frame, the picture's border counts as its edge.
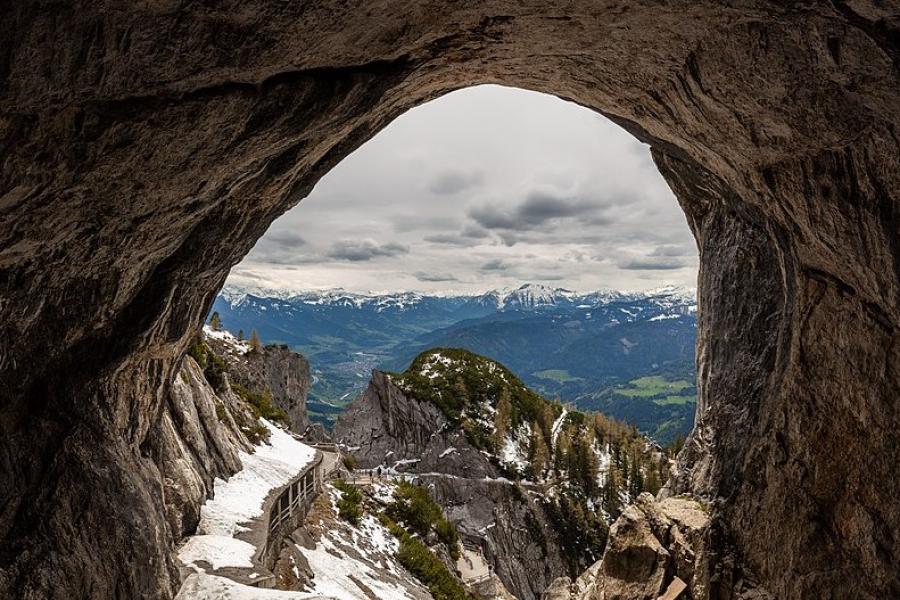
(498, 456)
(582, 347)
(207, 424)
(284, 374)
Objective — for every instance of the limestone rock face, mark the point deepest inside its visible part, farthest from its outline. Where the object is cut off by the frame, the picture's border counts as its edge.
(278, 369)
(511, 528)
(650, 545)
(196, 442)
(384, 426)
(560, 589)
(147, 146)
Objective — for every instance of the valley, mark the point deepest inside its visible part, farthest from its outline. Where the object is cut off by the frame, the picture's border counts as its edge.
(585, 348)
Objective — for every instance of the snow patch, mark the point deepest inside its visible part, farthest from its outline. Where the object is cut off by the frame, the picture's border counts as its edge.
(557, 425)
(663, 317)
(240, 499)
(232, 343)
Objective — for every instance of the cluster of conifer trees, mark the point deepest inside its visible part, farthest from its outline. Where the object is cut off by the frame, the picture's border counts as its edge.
(630, 464)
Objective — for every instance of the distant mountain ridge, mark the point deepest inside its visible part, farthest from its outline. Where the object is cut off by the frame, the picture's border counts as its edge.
(590, 348)
(526, 296)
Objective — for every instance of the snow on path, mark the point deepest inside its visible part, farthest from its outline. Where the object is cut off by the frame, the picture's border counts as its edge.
(349, 563)
(240, 500)
(199, 586)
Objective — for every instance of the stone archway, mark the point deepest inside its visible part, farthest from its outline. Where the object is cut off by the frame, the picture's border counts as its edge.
(145, 148)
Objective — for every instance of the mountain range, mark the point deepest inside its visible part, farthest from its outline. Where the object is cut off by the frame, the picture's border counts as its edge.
(627, 354)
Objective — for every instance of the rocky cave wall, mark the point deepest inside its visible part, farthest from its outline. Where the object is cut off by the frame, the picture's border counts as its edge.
(146, 146)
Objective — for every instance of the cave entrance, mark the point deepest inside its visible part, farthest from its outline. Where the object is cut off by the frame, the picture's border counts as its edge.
(483, 190)
(146, 151)
(529, 231)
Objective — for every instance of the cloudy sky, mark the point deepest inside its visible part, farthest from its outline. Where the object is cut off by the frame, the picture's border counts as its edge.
(484, 188)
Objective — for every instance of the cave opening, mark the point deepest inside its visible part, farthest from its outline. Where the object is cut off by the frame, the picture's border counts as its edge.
(146, 151)
(491, 227)
(480, 192)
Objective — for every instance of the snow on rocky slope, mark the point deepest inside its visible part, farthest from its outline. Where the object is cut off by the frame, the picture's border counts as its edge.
(237, 505)
(330, 558)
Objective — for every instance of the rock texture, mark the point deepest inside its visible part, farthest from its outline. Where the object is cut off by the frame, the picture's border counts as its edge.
(385, 427)
(146, 146)
(509, 525)
(650, 545)
(582, 588)
(278, 369)
(652, 554)
(196, 442)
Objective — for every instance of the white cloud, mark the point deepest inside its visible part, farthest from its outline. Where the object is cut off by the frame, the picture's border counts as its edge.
(537, 187)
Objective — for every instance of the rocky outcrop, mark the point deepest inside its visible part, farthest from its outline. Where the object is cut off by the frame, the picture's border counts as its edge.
(386, 427)
(145, 150)
(509, 526)
(197, 441)
(278, 369)
(652, 553)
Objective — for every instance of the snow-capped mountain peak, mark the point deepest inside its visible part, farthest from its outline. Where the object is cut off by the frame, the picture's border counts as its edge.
(527, 297)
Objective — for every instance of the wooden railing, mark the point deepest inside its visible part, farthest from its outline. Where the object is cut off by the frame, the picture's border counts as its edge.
(290, 508)
(298, 495)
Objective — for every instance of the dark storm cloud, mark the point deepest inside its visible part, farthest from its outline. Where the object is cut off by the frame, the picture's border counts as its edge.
(449, 239)
(284, 238)
(434, 277)
(652, 264)
(550, 276)
(474, 232)
(539, 209)
(356, 251)
(495, 265)
(452, 182)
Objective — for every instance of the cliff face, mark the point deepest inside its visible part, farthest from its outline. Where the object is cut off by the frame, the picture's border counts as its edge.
(284, 373)
(387, 427)
(197, 441)
(146, 149)
(509, 525)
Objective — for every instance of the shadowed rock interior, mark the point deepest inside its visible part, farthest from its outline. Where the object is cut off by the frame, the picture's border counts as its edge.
(146, 147)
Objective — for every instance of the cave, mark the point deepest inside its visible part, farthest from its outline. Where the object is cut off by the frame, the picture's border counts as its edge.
(146, 147)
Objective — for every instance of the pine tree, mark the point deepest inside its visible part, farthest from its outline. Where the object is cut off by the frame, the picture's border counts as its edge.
(502, 418)
(540, 456)
(240, 335)
(547, 418)
(612, 503)
(215, 322)
(635, 477)
(461, 393)
(255, 344)
(587, 462)
(652, 484)
(562, 451)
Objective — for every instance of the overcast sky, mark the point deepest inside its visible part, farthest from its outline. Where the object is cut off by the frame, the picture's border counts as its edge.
(484, 188)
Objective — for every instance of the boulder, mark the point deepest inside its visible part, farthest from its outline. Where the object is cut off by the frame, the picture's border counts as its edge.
(651, 545)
